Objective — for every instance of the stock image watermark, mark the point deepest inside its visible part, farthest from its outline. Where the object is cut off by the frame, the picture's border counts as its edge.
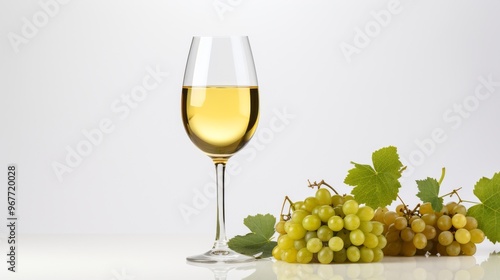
(121, 109)
(202, 196)
(454, 118)
(221, 7)
(30, 27)
(12, 218)
(371, 29)
(121, 275)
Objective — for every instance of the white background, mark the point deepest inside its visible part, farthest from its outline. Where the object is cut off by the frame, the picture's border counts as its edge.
(394, 91)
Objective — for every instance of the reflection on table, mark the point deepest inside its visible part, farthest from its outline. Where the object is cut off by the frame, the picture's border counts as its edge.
(439, 268)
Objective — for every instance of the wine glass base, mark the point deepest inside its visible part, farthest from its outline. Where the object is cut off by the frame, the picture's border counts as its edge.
(220, 256)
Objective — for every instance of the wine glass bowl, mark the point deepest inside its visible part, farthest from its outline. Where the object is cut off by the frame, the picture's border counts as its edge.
(220, 112)
(220, 120)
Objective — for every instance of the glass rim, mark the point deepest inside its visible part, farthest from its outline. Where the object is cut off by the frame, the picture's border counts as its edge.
(220, 36)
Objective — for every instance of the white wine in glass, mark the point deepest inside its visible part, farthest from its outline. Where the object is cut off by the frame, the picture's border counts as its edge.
(220, 112)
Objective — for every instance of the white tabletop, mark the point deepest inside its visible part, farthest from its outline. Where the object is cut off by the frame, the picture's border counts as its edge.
(141, 257)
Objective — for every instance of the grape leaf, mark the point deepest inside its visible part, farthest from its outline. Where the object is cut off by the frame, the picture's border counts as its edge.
(487, 213)
(258, 241)
(377, 186)
(429, 192)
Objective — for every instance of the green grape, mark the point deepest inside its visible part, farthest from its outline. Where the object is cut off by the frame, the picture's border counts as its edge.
(393, 248)
(378, 228)
(323, 196)
(453, 249)
(299, 244)
(391, 228)
(336, 223)
(430, 219)
(389, 217)
(366, 254)
(280, 227)
(357, 237)
(407, 234)
(336, 243)
(298, 216)
(400, 210)
(378, 255)
(326, 212)
(311, 222)
(282, 257)
(418, 225)
(426, 208)
(285, 242)
(325, 255)
(408, 249)
(315, 211)
(392, 236)
(459, 209)
(371, 240)
(297, 205)
(314, 245)
(382, 242)
(337, 200)
(413, 218)
(324, 233)
(444, 211)
(444, 222)
(351, 221)
(353, 254)
(338, 211)
(419, 240)
(428, 247)
(350, 207)
(289, 255)
(366, 226)
(476, 235)
(462, 236)
(309, 235)
(379, 214)
(340, 256)
(296, 231)
(468, 249)
(287, 225)
(471, 223)
(400, 223)
(344, 234)
(445, 238)
(458, 221)
(441, 249)
(348, 197)
(277, 253)
(309, 204)
(304, 256)
(429, 232)
(450, 205)
(365, 213)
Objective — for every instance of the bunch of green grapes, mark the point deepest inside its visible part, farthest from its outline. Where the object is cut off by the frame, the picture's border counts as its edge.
(327, 229)
(449, 232)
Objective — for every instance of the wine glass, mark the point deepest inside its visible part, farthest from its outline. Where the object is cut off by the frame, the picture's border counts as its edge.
(220, 111)
(221, 270)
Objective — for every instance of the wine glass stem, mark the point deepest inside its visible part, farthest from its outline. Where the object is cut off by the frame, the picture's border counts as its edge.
(220, 234)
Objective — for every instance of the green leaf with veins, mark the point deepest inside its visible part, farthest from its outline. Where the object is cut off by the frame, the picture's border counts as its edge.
(377, 186)
(429, 192)
(258, 241)
(487, 213)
